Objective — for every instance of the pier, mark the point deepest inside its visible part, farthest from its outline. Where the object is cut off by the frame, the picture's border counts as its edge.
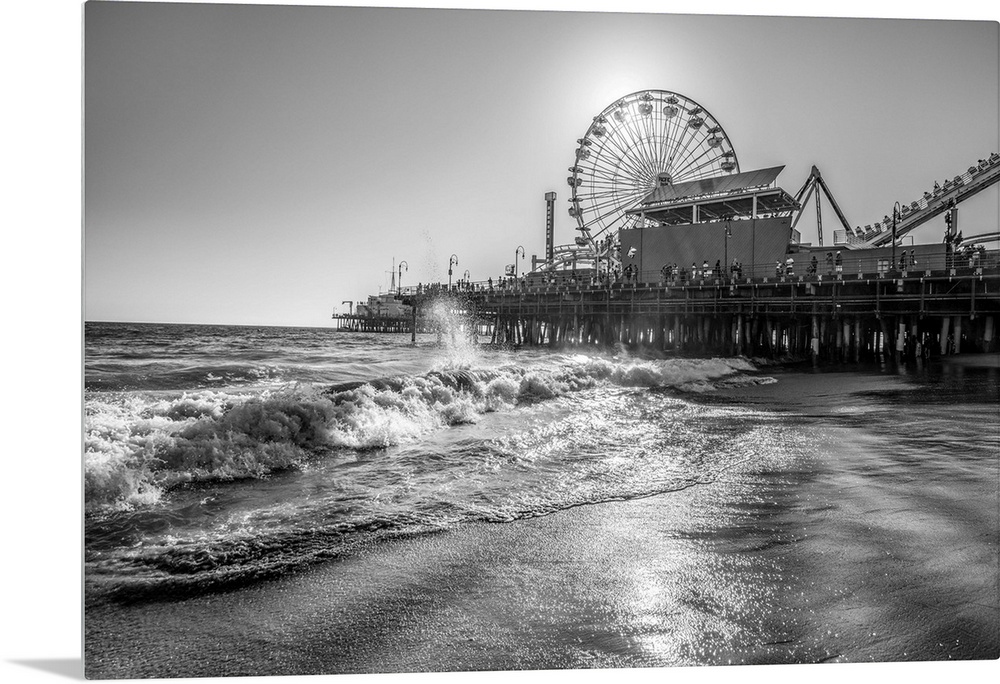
(378, 324)
(642, 218)
(832, 317)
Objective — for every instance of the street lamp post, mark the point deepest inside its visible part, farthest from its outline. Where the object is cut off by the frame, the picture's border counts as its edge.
(453, 261)
(520, 250)
(895, 215)
(399, 281)
(729, 234)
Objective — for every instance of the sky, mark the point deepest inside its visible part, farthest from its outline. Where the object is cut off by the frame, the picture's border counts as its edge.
(248, 164)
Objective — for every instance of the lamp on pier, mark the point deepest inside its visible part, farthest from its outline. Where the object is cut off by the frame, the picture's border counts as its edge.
(453, 261)
(895, 217)
(399, 281)
(728, 234)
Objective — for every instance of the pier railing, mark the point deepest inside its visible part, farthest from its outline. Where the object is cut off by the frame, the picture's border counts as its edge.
(855, 267)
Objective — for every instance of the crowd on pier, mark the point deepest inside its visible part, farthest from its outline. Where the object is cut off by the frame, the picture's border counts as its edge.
(969, 256)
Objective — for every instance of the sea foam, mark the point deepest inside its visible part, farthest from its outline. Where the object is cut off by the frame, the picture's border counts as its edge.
(136, 447)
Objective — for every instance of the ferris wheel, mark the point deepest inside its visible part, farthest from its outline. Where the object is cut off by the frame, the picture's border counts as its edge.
(648, 138)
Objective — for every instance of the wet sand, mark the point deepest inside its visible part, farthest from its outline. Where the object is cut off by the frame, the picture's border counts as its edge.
(805, 561)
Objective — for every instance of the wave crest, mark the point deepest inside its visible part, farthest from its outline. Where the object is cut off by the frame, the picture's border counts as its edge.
(138, 448)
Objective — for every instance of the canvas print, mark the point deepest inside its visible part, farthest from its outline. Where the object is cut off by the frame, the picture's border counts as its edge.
(432, 340)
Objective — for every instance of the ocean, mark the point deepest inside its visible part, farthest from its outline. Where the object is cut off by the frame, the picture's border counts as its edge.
(778, 512)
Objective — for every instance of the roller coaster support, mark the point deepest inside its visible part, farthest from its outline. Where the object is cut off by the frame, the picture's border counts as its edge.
(816, 178)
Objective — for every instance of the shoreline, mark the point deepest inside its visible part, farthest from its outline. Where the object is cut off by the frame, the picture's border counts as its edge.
(575, 589)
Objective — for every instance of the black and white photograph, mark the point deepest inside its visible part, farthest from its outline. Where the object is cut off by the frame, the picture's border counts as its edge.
(573, 342)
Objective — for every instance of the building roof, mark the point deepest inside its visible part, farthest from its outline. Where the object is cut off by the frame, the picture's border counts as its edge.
(739, 195)
(692, 190)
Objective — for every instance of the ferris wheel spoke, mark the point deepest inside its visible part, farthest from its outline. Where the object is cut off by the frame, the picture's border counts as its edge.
(722, 150)
(653, 144)
(601, 194)
(680, 152)
(616, 200)
(610, 145)
(697, 153)
(645, 143)
(605, 222)
(623, 160)
(695, 160)
(715, 156)
(696, 170)
(688, 140)
(676, 142)
(603, 217)
(603, 191)
(668, 133)
(597, 205)
(657, 135)
(625, 140)
(611, 169)
(644, 150)
(612, 197)
(593, 203)
(612, 204)
(695, 143)
(637, 146)
(619, 191)
(646, 128)
(672, 140)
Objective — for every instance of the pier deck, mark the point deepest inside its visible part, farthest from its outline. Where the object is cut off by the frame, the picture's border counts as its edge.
(841, 316)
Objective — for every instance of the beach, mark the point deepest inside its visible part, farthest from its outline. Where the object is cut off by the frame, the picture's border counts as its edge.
(874, 540)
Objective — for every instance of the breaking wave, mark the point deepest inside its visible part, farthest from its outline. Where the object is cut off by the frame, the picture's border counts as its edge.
(138, 447)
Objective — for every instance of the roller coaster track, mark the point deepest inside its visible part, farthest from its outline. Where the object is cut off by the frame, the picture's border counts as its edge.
(932, 204)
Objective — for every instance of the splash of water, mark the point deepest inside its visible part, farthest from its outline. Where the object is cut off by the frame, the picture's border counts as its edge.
(456, 334)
